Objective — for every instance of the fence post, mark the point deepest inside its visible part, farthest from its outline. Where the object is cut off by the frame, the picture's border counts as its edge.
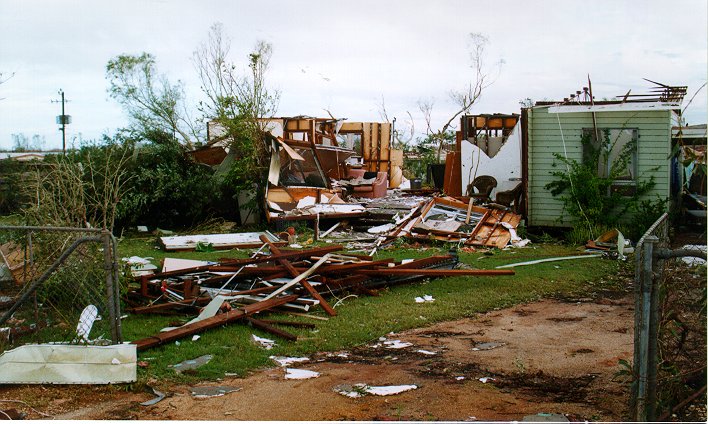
(645, 338)
(116, 288)
(654, 320)
(108, 267)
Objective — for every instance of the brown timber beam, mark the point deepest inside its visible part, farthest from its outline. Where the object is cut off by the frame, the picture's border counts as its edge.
(208, 323)
(294, 273)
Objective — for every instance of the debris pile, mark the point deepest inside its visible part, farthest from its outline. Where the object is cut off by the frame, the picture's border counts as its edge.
(234, 290)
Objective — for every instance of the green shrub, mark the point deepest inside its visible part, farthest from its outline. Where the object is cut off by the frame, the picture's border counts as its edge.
(591, 199)
(167, 188)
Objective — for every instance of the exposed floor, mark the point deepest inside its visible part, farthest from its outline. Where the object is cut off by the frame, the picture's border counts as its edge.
(544, 357)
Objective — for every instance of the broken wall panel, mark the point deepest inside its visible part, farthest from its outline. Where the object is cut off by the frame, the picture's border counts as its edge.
(216, 241)
(447, 219)
(69, 364)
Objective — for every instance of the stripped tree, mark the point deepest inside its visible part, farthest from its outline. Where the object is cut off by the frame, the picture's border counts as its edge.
(238, 100)
(480, 78)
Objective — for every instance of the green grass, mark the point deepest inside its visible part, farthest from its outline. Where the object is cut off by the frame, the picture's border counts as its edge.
(363, 319)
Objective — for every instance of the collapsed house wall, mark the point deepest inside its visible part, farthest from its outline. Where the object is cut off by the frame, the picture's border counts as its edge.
(504, 164)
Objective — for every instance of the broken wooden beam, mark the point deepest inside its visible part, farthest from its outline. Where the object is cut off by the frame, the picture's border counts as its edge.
(288, 254)
(212, 322)
(296, 324)
(293, 273)
(270, 329)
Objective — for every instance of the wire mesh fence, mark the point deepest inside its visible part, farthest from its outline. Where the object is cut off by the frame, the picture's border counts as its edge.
(58, 285)
(646, 313)
(669, 327)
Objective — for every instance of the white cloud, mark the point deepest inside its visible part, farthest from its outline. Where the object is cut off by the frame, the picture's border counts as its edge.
(352, 52)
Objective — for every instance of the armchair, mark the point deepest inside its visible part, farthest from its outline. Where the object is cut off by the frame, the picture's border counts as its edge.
(373, 190)
(481, 188)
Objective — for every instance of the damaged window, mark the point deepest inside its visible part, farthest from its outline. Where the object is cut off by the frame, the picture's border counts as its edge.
(615, 152)
(301, 173)
(351, 141)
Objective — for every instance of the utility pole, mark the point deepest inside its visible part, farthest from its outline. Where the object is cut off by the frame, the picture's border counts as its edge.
(63, 120)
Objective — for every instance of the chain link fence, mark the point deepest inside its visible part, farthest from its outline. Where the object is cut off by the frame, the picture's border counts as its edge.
(646, 318)
(58, 285)
(654, 288)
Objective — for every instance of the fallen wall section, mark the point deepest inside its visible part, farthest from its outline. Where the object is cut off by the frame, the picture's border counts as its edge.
(69, 364)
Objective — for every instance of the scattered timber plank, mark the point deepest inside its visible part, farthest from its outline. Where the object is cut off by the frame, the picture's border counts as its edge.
(293, 272)
(270, 329)
(212, 322)
(284, 254)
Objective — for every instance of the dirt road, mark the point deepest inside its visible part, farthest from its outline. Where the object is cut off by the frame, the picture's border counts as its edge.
(543, 357)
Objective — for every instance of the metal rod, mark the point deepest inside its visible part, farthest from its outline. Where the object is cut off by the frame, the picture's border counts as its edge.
(644, 330)
(40, 228)
(110, 293)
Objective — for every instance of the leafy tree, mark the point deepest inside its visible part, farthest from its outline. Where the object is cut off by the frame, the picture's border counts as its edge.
(150, 99)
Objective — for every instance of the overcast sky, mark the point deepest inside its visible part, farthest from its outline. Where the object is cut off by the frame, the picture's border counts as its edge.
(346, 56)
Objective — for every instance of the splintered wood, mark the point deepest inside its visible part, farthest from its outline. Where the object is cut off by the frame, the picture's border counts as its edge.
(448, 219)
(233, 290)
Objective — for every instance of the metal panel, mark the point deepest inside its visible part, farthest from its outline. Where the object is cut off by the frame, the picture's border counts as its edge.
(69, 364)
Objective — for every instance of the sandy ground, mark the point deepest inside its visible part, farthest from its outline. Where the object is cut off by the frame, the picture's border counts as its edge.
(545, 357)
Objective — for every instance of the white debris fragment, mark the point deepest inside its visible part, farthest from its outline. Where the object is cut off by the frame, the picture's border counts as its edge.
(424, 299)
(354, 392)
(390, 390)
(343, 355)
(86, 320)
(196, 337)
(426, 352)
(284, 361)
(298, 374)
(265, 343)
(137, 260)
(359, 390)
(485, 379)
(396, 344)
(460, 378)
(115, 361)
(381, 229)
(690, 260)
(306, 201)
